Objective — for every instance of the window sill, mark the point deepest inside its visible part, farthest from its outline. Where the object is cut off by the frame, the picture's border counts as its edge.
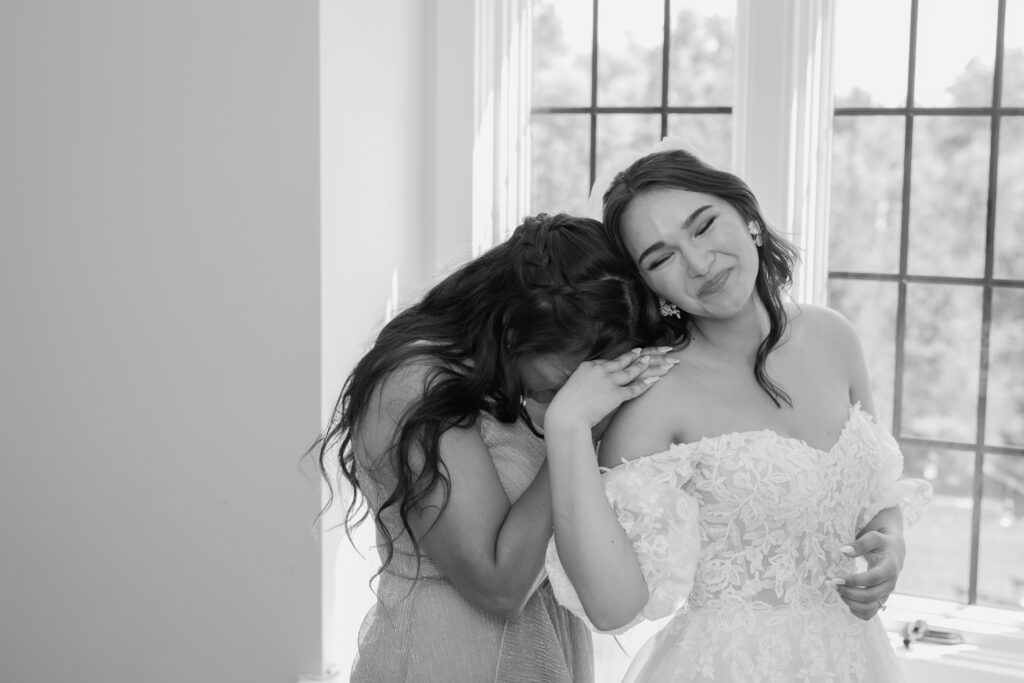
(992, 651)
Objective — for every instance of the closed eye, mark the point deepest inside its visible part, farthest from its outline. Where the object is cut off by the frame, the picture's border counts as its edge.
(652, 265)
(707, 226)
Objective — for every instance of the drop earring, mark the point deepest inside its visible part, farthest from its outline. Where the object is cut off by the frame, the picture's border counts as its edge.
(668, 309)
(755, 233)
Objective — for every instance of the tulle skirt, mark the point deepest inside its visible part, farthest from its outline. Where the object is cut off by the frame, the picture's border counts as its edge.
(773, 645)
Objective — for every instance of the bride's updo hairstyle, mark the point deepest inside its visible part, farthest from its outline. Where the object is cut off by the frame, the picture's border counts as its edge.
(555, 286)
(681, 170)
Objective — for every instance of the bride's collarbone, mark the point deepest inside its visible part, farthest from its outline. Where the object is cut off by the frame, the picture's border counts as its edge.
(708, 404)
(819, 427)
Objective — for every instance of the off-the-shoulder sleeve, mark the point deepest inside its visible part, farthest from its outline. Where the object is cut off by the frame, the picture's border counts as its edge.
(662, 522)
(891, 488)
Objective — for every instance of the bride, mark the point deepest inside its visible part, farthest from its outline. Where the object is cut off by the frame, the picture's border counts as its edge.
(736, 492)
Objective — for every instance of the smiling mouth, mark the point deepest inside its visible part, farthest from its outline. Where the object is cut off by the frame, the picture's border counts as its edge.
(714, 285)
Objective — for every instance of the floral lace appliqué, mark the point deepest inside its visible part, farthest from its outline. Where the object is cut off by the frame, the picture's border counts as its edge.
(738, 535)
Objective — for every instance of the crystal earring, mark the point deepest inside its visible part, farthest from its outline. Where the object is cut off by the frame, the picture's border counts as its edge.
(668, 309)
(755, 233)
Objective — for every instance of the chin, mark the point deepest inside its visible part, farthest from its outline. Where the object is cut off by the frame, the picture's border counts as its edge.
(725, 309)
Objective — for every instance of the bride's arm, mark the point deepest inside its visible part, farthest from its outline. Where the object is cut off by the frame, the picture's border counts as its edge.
(880, 541)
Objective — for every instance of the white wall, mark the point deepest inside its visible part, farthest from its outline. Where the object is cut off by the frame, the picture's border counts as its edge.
(397, 166)
(377, 221)
(159, 349)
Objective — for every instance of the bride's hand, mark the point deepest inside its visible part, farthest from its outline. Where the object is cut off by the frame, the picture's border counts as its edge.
(866, 592)
(597, 387)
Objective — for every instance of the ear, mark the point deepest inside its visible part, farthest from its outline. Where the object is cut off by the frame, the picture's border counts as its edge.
(755, 233)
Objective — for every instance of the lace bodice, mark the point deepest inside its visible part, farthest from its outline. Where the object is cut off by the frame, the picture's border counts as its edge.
(742, 524)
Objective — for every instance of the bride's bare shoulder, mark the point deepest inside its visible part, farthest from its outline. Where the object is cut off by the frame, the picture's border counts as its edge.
(820, 325)
(642, 426)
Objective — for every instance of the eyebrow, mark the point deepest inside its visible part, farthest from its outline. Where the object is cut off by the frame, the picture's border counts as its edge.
(686, 224)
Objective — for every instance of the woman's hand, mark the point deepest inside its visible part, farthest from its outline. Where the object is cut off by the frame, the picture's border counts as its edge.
(597, 387)
(866, 592)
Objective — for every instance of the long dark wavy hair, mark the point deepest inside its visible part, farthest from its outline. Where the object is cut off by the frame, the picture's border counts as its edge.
(678, 169)
(555, 286)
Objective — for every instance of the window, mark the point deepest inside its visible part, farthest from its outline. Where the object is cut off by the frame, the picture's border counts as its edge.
(925, 248)
(927, 235)
(612, 77)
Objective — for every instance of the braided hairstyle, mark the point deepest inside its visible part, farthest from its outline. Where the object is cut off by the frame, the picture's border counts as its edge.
(678, 169)
(555, 286)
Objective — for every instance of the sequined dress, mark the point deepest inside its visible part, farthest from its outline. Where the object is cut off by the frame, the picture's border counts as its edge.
(424, 630)
(737, 537)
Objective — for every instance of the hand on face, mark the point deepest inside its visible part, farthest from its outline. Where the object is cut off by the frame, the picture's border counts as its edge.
(597, 387)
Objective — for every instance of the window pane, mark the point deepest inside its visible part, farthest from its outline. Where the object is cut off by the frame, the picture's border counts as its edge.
(1010, 200)
(955, 53)
(941, 352)
(630, 35)
(702, 53)
(949, 195)
(870, 55)
(710, 135)
(561, 41)
(622, 138)
(1001, 547)
(560, 159)
(938, 546)
(1013, 54)
(871, 307)
(1004, 409)
(867, 191)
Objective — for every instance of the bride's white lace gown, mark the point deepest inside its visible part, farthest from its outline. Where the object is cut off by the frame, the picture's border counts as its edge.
(738, 535)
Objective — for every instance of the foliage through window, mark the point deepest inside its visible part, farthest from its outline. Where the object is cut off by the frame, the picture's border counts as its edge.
(609, 79)
(926, 253)
(605, 90)
(926, 246)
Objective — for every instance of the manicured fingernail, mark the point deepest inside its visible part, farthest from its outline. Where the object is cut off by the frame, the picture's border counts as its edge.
(665, 349)
(636, 350)
(651, 380)
(673, 361)
(837, 582)
(847, 550)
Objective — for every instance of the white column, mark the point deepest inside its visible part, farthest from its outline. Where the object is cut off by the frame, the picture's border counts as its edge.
(783, 124)
(419, 125)
(377, 242)
(502, 98)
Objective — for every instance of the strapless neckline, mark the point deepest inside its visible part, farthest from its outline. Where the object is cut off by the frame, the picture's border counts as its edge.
(855, 414)
(854, 411)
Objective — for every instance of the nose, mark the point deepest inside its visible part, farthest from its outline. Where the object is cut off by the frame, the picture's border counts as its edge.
(698, 262)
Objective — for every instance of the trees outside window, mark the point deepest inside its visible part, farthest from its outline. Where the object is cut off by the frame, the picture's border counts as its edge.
(926, 231)
(926, 245)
